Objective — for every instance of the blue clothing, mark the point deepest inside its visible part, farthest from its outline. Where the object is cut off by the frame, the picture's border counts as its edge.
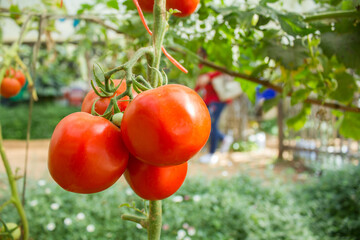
(266, 94)
(215, 109)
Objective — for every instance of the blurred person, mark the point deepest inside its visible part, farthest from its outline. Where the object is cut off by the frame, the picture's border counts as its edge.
(205, 89)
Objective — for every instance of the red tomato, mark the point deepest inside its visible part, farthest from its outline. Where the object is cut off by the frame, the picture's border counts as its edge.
(166, 125)
(9, 87)
(152, 182)
(146, 5)
(103, 103)
(86, 153)
(19, 75)
(10, 72)
(187, 7)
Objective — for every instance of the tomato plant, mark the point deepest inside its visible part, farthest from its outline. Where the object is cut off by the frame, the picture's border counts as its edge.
(9, 87)
(187, 7)
(166, 125)
(153, 182)
(103, 103)
(86, 153)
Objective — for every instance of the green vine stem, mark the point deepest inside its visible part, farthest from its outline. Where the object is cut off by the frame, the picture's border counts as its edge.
(333, 15)
(160, 27)
(155, 220)
(14, 199)
(141, 220)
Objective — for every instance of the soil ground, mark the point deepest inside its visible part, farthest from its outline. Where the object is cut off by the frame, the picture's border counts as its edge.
(255, 163)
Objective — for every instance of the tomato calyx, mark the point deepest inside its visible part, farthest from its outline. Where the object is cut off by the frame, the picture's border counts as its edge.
(107, 88)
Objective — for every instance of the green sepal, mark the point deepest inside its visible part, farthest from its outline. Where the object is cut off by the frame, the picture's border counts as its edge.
(135, 88)
(140, 86)
(160, 79)
(141, 79)
(116, 107)
(97, 80)
(108, 112)
(166, 81)
(102, 94)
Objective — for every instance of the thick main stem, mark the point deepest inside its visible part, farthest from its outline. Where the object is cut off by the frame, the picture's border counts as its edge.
(160, 25)
(154, 220)
(15, 199)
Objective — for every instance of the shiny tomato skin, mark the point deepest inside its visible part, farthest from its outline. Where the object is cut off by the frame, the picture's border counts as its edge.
(86, 153)
(154, 183)
(146, 5)
(187, 7)
(166, 125)
(9, 87)
(103, 103)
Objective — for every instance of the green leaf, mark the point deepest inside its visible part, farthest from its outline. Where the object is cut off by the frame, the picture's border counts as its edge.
(113, 4)
(299, 120)
(291, 57)
(299, 96)
(356, 4)
(346, 88)
(344, 44)
(15, 11)
(294, 24)
(259, 70)
(249, 88)
(84, 7)
(270, 103)
(350, 126)
(263, 2)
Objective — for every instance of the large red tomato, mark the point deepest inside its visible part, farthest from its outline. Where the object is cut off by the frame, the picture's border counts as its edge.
(86, 153)
(103, 103)
(152, 182)
(166, 125)
(187, 7)
(9, 87)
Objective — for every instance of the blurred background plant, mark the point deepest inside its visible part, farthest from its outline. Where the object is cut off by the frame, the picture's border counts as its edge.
(240, 207)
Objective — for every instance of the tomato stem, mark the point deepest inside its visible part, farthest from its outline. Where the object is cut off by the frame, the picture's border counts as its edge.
(172, 60)
(15, 199)
(141, 220)
(155, 220)
(160, 27)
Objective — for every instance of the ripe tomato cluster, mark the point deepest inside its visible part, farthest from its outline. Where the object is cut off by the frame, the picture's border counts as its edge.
(12, 83)
(186, 7)
(161, 130)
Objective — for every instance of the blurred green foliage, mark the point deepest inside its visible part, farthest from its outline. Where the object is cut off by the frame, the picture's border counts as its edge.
(333, 203)
(239, 207)
(45, 117)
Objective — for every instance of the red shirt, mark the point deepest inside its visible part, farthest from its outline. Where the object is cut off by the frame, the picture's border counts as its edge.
(207, 92)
